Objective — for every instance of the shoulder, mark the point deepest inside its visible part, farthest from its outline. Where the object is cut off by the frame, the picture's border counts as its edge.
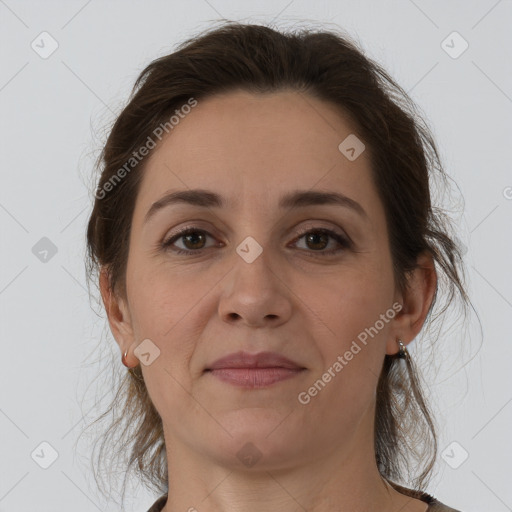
(434, 505)
(159, 504)
(437, 506)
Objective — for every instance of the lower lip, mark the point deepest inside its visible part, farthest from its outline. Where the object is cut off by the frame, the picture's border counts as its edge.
(254, 377)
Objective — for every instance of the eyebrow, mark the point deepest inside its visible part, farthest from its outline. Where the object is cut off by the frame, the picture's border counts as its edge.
(292, 200)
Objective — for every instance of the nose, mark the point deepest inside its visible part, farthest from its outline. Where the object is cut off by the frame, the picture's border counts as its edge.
(255, 294)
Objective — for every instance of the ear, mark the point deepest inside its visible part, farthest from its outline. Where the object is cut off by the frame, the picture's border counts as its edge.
(416, 303)
(117, 313)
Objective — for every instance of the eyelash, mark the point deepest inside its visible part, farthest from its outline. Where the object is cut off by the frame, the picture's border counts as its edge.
(344, 242)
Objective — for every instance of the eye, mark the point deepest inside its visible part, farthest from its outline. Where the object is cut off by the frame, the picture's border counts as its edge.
(316, 239)
(194, 238)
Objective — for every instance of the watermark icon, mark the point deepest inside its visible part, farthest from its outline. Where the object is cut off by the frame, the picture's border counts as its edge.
(249, 249)
(146, 352)
(304, 397)
(44, 455)
(137, 156)
(351, 147)
(44, 250)
(44, 45)
(454, 45)
(249, 455)
(454, 455)
(507, 192)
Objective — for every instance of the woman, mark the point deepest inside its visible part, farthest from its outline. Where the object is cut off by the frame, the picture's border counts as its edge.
(266, 249)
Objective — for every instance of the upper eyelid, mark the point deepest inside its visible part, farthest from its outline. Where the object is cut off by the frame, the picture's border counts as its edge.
(314, 225)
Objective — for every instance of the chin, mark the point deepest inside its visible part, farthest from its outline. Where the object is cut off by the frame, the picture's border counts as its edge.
(262, 445)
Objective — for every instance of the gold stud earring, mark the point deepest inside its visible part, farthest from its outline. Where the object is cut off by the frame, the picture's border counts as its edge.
(123, 360)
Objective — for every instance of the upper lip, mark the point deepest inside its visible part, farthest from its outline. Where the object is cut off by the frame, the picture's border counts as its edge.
(259, 360)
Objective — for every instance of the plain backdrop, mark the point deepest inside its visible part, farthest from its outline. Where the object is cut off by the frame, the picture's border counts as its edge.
(58, 93)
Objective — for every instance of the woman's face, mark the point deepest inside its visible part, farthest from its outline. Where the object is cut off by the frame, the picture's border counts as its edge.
(259, 277)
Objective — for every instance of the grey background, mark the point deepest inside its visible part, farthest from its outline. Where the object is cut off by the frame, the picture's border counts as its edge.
(54, 112)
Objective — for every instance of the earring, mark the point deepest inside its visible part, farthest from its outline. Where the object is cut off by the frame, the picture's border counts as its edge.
(123, 360)
(402, 353)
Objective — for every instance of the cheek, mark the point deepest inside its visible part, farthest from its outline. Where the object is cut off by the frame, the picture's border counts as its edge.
(164, 311)
(348, 303)
(348, 324)
(160, 297)
(157, 314)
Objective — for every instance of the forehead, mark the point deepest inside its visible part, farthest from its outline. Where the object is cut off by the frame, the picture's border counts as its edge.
(253, 148)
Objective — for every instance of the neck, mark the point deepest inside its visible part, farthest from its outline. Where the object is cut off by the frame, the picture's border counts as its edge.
(345, 478)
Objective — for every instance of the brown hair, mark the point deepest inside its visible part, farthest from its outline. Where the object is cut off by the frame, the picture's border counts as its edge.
(404, 158)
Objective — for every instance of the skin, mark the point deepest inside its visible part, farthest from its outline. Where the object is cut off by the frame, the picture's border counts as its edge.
(252, 149)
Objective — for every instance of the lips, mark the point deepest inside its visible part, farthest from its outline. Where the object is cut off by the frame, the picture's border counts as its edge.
(239, 360)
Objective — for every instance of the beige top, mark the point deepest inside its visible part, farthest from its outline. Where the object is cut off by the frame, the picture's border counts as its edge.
(433, 504)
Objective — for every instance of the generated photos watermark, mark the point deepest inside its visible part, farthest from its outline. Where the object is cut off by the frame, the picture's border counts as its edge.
(304, 397)
(137, 156)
